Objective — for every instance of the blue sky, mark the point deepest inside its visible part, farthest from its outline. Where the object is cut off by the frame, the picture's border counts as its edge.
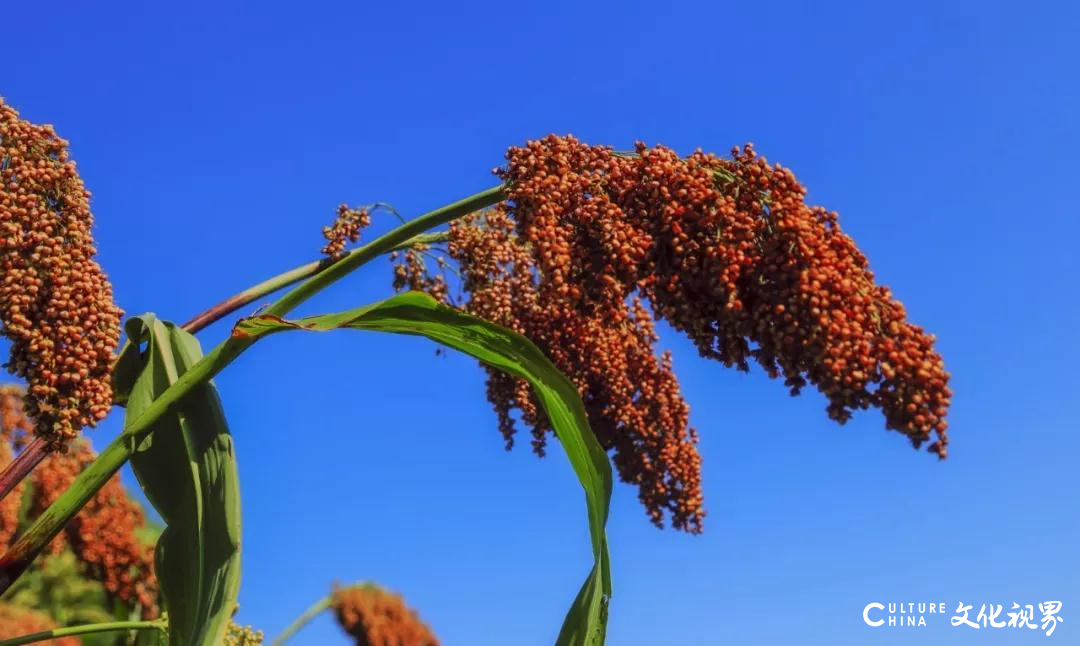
(219, 137)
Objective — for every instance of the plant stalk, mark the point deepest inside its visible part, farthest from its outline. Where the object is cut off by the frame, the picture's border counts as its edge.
(282, 280)
(303, 620)
(109, 461)
(86, 629)
(255, 292)
(32, 455)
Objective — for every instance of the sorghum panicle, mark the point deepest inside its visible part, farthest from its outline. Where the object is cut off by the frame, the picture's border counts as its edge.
(103, 535)
(726, 251)
(376, 617)
(786, 287)
(56, 304)
(729, 253)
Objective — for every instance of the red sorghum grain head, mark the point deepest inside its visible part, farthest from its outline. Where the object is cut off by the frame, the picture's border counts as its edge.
(103, 535)
(375, 617)
(17, 621)
(56, 304)
(724, 250)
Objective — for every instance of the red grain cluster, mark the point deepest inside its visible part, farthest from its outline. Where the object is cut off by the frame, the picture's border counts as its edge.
(726, 251)
(346, 228)
(17, 621)
(56, 304)
(103, 534)
(748, 270)
(375, 617)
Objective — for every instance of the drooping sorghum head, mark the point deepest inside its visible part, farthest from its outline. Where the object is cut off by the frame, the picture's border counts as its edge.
(724, 250)
(56, 304)
(103, 535)
(17, 621)
(376, 617)
(785, 286)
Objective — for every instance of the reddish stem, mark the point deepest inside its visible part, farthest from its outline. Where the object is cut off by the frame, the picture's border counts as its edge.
(251, 294)
(284, 279)
(22, 465)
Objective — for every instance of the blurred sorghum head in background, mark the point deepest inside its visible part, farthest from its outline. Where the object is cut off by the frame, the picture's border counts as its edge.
(376, 617)
(104, 534)
(17, 621)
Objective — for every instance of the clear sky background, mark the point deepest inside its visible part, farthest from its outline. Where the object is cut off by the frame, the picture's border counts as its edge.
(219, 137)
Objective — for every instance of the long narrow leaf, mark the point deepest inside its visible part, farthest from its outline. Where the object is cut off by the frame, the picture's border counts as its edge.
(187, 469)
(418, 314)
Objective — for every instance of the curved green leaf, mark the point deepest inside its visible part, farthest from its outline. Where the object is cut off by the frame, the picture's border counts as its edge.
(418, 314)
(187, 469)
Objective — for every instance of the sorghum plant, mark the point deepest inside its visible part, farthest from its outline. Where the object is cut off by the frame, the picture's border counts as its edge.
(554, 280)
(369, 614)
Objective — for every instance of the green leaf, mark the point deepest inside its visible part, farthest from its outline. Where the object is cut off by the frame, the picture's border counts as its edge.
(418, 314)
(187, 469)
